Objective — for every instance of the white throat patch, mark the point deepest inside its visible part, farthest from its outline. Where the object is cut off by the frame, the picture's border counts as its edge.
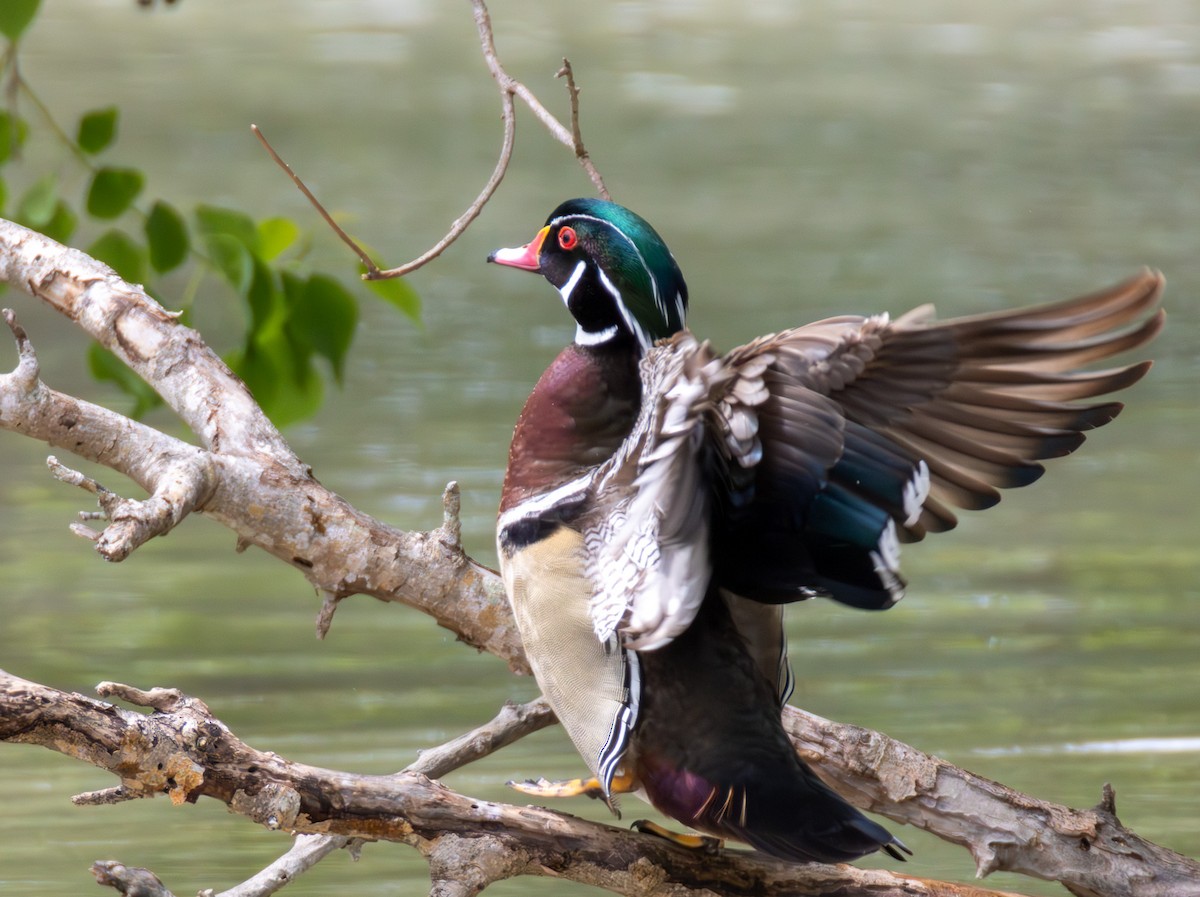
(573, 281)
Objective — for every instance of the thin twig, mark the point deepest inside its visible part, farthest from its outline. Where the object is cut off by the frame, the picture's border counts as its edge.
(509, 115)
(581, 152)
(509, 87)
(372, 268)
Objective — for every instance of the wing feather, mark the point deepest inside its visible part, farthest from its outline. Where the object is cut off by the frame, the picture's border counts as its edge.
(795, 465)
(861, 409)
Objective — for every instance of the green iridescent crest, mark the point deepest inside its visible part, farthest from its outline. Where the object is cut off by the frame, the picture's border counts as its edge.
(640, 271)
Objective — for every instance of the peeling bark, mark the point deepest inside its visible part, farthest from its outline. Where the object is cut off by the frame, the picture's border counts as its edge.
(182, 750)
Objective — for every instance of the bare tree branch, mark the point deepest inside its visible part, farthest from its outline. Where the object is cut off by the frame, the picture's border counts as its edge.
(132, 881)
(245, 475)
(306, 852)
(372, 268)
(511, 724)
(1088, 851)
(581, 152)
(182, 750)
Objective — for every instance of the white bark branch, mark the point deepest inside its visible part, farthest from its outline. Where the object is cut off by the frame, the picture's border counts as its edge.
(244, 475)
(182, 750)
(172, 358)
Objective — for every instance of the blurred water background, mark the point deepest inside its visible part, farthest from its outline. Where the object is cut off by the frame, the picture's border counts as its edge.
(801, 161)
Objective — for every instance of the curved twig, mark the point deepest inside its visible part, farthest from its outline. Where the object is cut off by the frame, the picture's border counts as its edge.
(509, 115)
(316, 203)
(509, 87)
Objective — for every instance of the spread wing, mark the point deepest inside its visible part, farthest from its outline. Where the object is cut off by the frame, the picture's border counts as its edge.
(874, 430)
(797, 464)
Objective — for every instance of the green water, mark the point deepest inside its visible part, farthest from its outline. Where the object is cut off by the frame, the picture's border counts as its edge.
(851, 157)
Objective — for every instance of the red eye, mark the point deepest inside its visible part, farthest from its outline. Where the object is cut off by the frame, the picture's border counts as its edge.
(567, 238)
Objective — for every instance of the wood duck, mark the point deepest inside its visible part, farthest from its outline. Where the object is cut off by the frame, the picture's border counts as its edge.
(662, 502)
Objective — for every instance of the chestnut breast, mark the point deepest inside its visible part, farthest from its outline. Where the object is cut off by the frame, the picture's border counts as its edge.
(581, 409)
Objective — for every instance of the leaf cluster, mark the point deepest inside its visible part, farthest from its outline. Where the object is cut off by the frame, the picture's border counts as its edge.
(293, 315)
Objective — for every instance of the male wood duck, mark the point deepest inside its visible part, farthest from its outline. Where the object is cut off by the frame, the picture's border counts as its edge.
(662, 502)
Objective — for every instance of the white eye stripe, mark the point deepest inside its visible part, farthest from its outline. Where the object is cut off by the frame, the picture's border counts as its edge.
(569, 287)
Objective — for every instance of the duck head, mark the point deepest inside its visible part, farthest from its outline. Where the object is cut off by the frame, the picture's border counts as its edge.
(614, 272)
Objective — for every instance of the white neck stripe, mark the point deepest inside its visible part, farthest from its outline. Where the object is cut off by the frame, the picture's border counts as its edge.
(658, 301)
(588, 338)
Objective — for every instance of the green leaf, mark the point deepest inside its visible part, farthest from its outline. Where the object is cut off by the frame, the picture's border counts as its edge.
(15, 16)
(232, 259)
(268, 310)
(121, 253)
(61, 224)
(13, 133)
(397, 292)
(107, 367)
(97, 129)
(3, 194)
(39, 202)
(287, 388)
(324, 316)
(215, 220)
(275, 235)
(167, 237)
(113, 190)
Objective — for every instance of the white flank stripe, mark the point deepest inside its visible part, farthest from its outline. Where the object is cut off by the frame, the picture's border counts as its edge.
(539, 504)
(618, 735)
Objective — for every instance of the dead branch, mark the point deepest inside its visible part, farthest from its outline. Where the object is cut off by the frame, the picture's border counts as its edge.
(306, 852)
(132, 881)
(1089, 852)
(181, 750)
(511, 724)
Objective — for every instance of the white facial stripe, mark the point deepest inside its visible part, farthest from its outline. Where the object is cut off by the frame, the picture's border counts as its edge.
(569, 287)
